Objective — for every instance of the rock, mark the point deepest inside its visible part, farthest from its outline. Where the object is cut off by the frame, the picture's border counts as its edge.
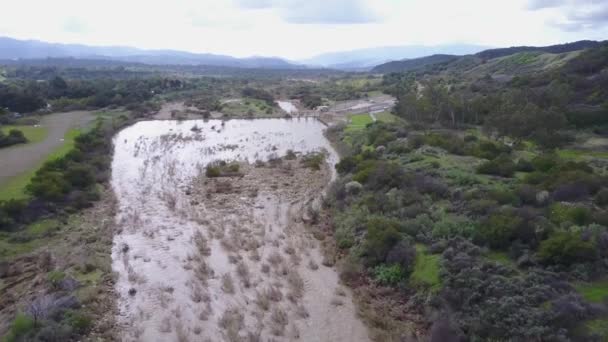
(353, 187)
(132, 291)
(542, 197)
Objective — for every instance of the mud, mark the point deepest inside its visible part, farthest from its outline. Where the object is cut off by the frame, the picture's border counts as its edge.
(227, 258)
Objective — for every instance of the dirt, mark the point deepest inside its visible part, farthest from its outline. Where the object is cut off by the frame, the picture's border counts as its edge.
(20, 159)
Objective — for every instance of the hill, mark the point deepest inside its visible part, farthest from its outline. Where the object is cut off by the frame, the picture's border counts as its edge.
(511, 61)
(413, 64)
(367, 58)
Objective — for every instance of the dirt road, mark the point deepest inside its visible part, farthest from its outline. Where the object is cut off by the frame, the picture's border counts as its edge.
(19, 159)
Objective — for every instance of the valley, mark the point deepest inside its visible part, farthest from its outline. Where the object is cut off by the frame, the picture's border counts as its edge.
(445, 198)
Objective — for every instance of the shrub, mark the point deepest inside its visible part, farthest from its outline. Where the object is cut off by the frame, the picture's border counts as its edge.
(21, 327)
(402, 254)
(524, 165)
(526, 194)
(382, 236)
(501, 166)
(499, 229)
(570, 192)
(566, 247)
(451, 226)
(389, 275)
(561, 213)
(545, 162)
(313, 160)
(79, 321)
(488, 150)
(346, 165)
(504, 196)
(55, 278)
(601, 198)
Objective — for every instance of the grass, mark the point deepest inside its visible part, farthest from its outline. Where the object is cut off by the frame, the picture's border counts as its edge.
(426, 269)
(500, 257)
(580, 154)
(387, 117)
(15, 187)
(594, 292)
(358, 122)
(598, 327)
(32, 134)
(244, 106)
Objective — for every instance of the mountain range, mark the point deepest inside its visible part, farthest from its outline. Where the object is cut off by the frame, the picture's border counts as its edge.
(362, 59)
(11, 49)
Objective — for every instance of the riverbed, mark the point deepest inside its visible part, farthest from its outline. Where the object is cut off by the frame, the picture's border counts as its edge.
(230, 259)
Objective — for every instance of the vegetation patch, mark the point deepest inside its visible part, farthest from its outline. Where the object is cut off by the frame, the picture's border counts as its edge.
(595, 292)
(426, 269)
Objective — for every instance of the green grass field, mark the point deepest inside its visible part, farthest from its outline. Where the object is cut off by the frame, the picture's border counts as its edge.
(358, 122)
(32, 134)
(15, 187)
(594, 292)
(426, 269)
(387, 117)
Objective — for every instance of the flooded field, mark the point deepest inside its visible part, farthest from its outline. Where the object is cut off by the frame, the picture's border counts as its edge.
(229, 258)
(288, 107)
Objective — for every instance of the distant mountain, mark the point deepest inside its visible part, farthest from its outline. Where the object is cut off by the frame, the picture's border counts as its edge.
(367, 58)
(32, 49)
(524, 58)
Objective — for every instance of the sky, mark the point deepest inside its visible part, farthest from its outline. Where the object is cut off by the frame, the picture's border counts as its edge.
(297, 29)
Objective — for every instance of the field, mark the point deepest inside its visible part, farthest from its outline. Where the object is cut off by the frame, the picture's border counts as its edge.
(14, 187)
(359, 121)
(33, 134)
(54, 139)
(247, 107)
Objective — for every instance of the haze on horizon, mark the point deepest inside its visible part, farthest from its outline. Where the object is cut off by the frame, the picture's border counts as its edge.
(298, 29)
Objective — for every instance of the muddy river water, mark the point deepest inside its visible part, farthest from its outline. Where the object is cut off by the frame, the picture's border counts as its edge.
(202, 259)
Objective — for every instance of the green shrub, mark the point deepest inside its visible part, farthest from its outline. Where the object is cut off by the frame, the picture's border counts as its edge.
(213, 171)
(499, 229)
(389, 274)
(578, 215)
(451, 226)
(546, 162)
(80, 322)
(55, 277)
(313, 160)
(21, 327)
(566, 248)
(488, 150)
(501, 166)
(382, 235)
(504, 196)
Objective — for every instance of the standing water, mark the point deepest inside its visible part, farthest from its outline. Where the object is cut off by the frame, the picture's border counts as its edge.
(197, 263)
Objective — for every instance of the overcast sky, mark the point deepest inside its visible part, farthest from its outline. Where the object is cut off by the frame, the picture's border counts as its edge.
(302, 28)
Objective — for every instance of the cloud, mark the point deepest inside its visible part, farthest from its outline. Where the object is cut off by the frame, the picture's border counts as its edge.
(541, 4)
(574, 15)
(317, 11)
(74, 25)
